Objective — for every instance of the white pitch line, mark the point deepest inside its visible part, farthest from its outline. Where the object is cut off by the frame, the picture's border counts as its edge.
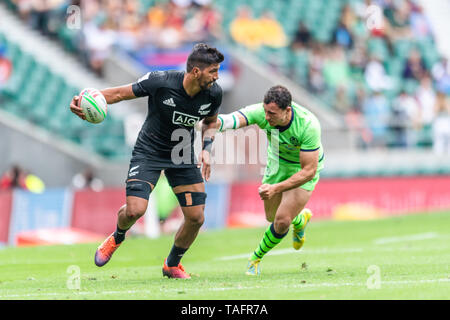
(412, 237)
(187, 290)
(291, 251)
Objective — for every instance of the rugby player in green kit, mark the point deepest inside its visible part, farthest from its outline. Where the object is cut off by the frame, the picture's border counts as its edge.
(295, 158)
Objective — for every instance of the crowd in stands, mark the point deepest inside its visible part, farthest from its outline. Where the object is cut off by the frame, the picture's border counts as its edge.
(93, 27)
(385, 109)
(391, 97)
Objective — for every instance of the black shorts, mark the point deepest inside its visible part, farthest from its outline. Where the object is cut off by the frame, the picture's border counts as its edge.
(140, 176)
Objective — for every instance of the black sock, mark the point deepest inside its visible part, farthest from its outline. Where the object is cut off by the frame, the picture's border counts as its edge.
(175, 256)
(119, 235)
(277, 235)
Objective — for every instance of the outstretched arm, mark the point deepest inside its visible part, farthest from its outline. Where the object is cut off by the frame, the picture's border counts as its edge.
(117, 94)
(234, 120)
(112, 95)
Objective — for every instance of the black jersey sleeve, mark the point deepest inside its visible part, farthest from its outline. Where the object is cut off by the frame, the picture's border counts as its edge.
(216, 98)
(149, 83)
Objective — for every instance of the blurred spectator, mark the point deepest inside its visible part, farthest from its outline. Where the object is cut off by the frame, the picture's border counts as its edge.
(426, 97)
(441, 125)
(420, 26)
(398, 15)
(376, 114)
(342, 35)
(182, 3)
(87, 179)
(302, 37)
(17, 177)
(13, 178)
(359, 28)
(243, 30)
(414, 67)
(43, 15)
(271, 31)
(157, 16)
(348, 17)
(342, 101)
(376, 76)
(358, 60)
(5, 66)
(172, 34)
(316, 81)
(404, 120)
(336, 69)
(98, 44)
(355, 121)
(254, 33)
(204, 25)
(441, 74)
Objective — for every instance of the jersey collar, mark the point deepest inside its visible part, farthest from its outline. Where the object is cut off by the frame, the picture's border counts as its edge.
(284, 128)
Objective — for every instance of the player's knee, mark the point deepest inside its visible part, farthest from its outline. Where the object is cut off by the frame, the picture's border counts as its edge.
(197, 219)
(135, 210)
(282, 224)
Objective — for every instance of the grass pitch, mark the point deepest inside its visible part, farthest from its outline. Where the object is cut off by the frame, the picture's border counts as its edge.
(405, 257)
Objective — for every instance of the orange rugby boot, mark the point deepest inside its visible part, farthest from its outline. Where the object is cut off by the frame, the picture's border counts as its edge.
(105, 251)
(174, 272)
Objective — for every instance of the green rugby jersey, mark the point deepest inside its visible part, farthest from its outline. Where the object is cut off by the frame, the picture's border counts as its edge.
(303, 133)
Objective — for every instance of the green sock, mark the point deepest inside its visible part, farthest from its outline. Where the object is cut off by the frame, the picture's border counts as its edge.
(269, 241)
(298, 221)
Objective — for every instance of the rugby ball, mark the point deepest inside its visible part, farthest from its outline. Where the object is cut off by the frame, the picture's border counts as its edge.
(93, 104)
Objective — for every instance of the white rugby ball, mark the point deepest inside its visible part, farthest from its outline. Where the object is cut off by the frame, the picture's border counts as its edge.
(93, 104)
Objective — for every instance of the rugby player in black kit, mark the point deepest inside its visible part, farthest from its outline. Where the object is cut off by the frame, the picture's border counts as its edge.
(176, 102)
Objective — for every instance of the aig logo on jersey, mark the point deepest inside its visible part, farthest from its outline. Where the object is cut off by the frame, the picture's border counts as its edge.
(184, 119)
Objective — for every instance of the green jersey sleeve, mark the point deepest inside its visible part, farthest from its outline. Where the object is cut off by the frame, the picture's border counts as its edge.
(254, 114)
(312, 137)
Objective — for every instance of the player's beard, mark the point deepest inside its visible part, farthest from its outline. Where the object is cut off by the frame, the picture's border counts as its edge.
(206, 85)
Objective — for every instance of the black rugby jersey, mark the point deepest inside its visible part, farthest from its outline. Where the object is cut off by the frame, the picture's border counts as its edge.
(171, 108)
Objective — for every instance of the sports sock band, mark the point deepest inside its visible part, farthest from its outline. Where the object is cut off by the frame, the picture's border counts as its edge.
(175, 256)
(270, 239)
(298, 221)
(119, 235)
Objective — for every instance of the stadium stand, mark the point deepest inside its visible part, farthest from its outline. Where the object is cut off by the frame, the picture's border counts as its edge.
(342, 56)
(354, 50)
(22, 95)
(376, 68)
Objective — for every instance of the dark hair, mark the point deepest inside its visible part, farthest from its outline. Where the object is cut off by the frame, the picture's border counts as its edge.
(278, 95)
(203, 56)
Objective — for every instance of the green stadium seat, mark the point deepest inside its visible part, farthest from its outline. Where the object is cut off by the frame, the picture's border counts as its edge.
(443, 168)
(425, 137)
(301, 67)
(36, 94)
(378, 47)
(410, 86)
(402, 48)
(394, 66)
